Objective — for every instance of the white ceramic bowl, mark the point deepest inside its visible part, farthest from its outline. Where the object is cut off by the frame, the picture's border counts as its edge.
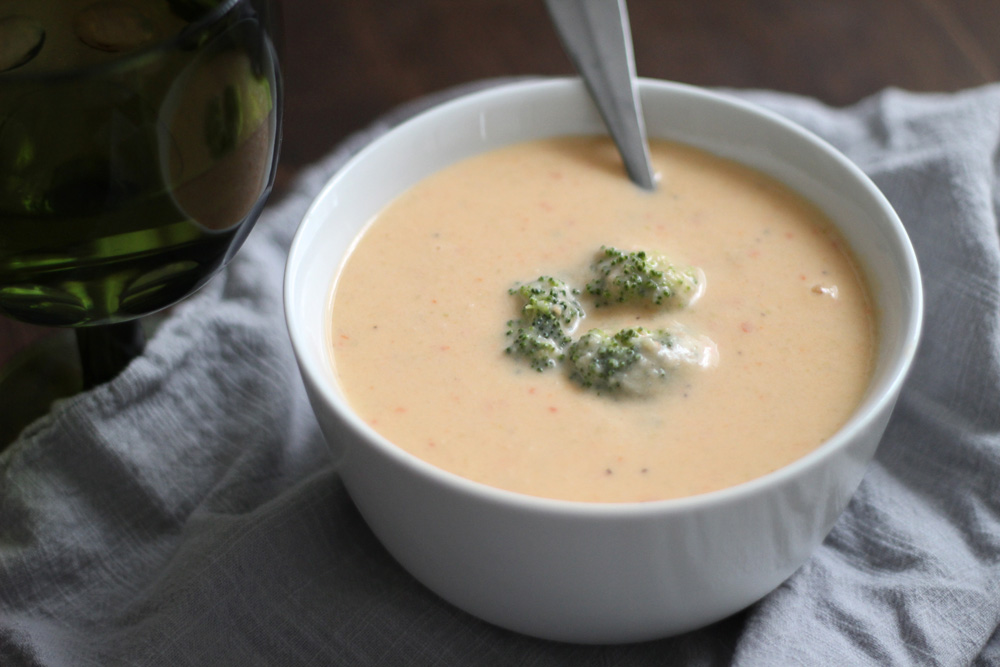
(589, 572)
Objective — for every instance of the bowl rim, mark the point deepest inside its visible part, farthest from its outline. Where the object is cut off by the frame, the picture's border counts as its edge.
(896, 370)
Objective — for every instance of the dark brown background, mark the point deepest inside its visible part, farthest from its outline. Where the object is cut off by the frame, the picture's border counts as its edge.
(347, 62)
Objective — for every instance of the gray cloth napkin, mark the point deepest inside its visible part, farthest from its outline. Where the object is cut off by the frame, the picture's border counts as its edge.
(188, 514)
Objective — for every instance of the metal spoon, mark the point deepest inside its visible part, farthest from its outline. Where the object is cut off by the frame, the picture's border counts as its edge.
(597, 37)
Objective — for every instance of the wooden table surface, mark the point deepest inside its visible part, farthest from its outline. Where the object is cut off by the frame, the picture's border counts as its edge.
(345, 63)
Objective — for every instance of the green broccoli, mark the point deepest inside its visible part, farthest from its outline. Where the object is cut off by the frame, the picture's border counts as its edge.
(640, 276)
(551, 312)
(634, 361)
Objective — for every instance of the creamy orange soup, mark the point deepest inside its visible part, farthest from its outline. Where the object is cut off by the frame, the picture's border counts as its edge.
(419, 312)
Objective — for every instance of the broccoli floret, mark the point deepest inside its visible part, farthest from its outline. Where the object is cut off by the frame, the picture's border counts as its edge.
(551, 312)
(634, 361)
(640, 276)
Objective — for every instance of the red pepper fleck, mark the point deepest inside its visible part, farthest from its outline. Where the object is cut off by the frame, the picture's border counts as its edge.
(747, 327)
(553, 408)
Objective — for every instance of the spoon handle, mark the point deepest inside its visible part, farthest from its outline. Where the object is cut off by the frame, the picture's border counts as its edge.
(596, 35)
